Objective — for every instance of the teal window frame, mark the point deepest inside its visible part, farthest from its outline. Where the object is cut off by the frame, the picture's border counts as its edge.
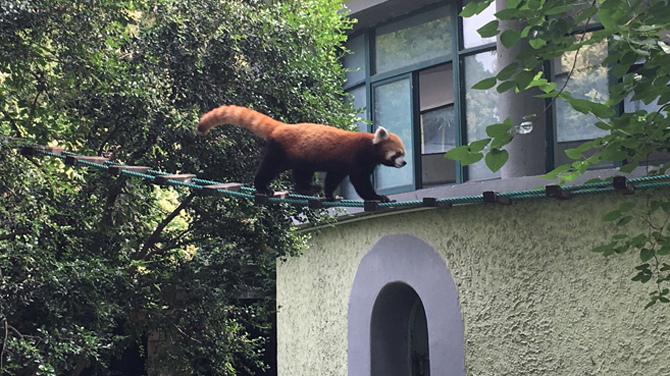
(372, 79)
(456, 58)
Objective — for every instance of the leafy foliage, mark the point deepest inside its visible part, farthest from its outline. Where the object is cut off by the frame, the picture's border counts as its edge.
(92, 266)
(638, 55)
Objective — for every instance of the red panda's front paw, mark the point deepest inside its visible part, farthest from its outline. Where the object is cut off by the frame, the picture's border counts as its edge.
(384, 198)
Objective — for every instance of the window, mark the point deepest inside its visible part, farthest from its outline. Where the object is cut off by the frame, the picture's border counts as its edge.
(480, 105)
(437, 125)
(358, 96)
(409, 68)
(392, 105)
(630, 106)
(588, 80)
(415, 74)
(413, 40)
(471, 37)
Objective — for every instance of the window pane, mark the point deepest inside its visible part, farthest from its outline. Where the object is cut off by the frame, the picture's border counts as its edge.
(436, 87)
(355, 62)
(393, 111)
(589, 81)
(412, 40)
(357, 96)
(359, 100)
(471, 37)
(636, 105)
(438, 130)
(653, 107)
(481, 106)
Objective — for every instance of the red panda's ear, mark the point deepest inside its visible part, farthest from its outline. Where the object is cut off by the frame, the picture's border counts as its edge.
(381, 135)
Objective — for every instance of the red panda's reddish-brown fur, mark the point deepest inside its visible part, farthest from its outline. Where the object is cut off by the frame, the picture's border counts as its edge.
(306, 148)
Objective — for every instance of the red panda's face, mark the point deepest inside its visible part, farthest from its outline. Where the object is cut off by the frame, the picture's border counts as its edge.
(390, 147)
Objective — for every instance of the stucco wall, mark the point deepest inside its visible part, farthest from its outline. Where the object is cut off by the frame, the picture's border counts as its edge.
(534, 299)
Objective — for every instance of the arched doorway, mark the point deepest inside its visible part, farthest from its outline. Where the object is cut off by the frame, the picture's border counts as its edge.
(401, 286)
(399, 333)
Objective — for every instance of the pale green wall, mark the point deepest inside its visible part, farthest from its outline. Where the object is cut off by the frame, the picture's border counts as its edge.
(535, 300)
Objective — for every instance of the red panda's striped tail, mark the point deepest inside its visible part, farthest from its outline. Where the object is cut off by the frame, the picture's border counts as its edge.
(261, 125)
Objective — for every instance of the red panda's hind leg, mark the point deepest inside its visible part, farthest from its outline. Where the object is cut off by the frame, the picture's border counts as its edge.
(303, 180)
(332, 181)
(271, 166)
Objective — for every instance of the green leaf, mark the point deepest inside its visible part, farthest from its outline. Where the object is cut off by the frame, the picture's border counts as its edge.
(586, 13)
(507, 14)
(507, 72)
(620, 70)
(458, 153)
(525, 77)
(470, 9)
(612, 216)
(551, 94)
(624, 220)
(638, 241)
(604, 248)
(489, 30)
(509, 38)
(663, 251)
(602, 111)
(628, 167)
(507, 85)
(537, 43)
(495, 159)
(479, 145)
(646, 254)
(581, 105)
(553, 174)
(485, 84)
(606, 17)
(573, 153)
(626, 206)
(559, 9)
(472, 158)
(501, 140)
(603, 125)
(497, 130)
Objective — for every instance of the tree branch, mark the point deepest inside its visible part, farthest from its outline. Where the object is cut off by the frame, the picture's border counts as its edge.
(4, 346)
(150, 243)
(13, 123)
(12, 235)
(114, 193)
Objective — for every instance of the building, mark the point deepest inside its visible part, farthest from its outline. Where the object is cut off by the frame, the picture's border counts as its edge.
(479, 289)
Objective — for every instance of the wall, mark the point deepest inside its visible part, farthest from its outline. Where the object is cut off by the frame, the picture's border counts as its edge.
(534, 299)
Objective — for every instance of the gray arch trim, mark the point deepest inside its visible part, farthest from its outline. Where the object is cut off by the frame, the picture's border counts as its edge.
(407, 259)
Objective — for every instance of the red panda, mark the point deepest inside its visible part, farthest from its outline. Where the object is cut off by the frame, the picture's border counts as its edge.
(306, 148)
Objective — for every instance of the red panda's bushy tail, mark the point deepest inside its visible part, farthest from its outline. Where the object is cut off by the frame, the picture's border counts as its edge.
(261, 125)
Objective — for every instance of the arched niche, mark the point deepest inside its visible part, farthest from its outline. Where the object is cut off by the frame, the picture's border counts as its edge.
(398, 273)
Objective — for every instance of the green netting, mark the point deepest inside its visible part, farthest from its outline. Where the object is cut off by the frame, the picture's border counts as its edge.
(646, 182)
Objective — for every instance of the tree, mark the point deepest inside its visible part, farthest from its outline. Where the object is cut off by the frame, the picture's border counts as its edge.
(92, 265)
(639, 57)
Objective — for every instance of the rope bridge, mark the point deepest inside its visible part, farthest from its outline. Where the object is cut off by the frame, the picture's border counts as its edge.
(238, 190)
